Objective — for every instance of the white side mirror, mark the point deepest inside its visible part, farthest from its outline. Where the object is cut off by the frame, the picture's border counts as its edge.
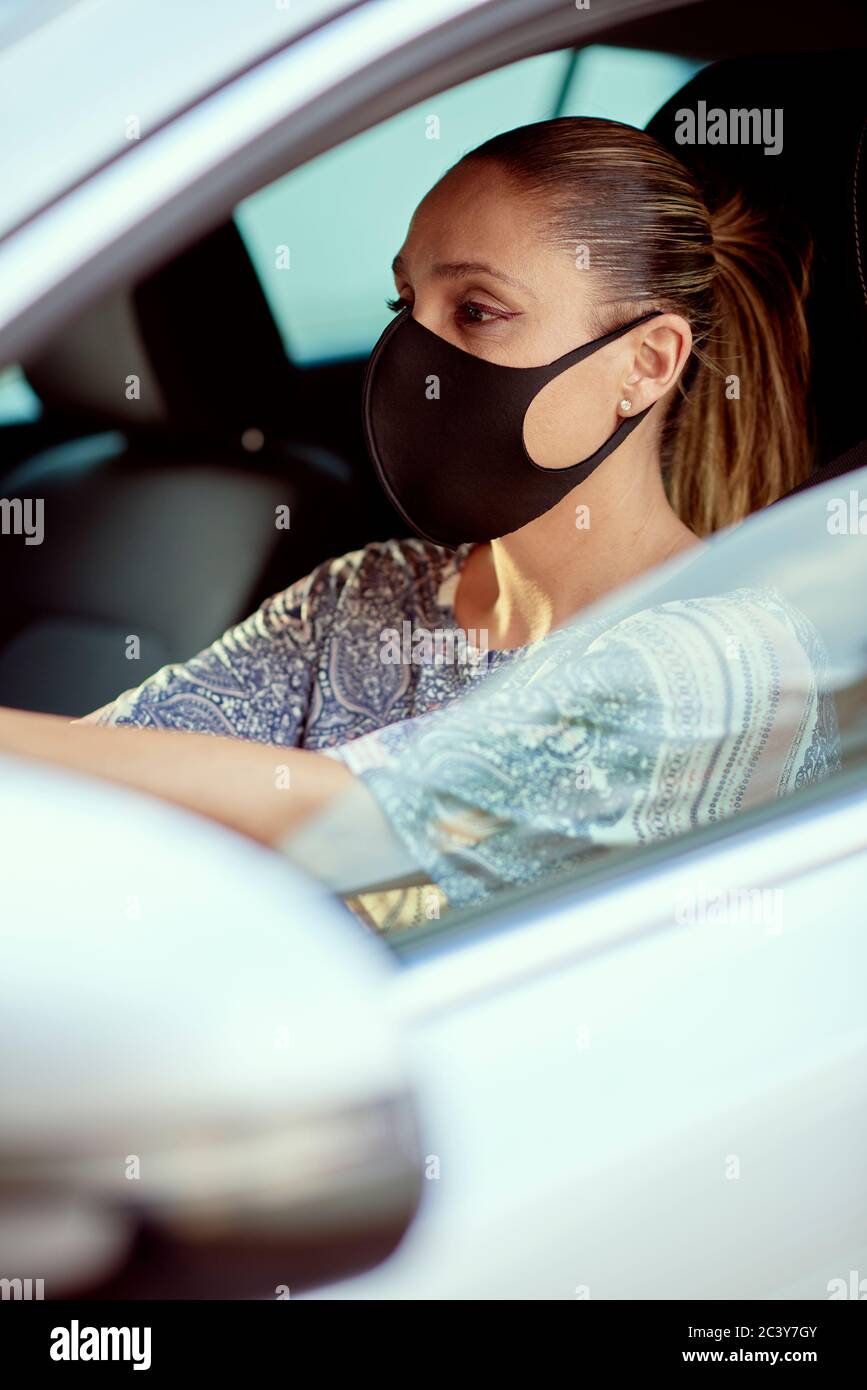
(202, 1091)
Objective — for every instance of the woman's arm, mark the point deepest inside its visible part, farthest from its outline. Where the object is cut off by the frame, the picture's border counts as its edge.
(262, 791)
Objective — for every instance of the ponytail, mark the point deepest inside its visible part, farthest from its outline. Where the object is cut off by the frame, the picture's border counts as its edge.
(738, 434)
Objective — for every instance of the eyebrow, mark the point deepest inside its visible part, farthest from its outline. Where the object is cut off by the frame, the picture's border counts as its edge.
(455, 270)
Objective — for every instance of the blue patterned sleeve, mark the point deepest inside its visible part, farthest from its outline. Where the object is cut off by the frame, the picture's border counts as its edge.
(509, 784)
(673, 718)
(256, 682)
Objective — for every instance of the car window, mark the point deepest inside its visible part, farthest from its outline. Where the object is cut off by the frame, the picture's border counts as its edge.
(623, 84)
(19, 403)
(678, 703)
(322, 238)
(726, 682)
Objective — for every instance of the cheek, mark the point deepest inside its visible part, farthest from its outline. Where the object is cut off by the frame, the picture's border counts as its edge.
(571, 416)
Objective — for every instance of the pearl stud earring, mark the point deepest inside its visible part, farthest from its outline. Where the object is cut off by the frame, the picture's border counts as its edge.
(625, 404)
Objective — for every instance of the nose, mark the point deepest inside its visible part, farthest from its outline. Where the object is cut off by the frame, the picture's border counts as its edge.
(433, 312)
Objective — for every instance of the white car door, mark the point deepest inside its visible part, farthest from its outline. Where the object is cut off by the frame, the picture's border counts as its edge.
(654, 1090)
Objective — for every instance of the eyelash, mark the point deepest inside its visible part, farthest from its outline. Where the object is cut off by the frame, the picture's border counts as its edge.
(396, 305)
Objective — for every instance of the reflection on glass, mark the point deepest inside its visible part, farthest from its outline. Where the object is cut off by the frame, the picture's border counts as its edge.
(725, 681)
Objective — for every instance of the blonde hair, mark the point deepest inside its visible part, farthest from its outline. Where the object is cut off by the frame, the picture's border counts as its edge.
(737, 433)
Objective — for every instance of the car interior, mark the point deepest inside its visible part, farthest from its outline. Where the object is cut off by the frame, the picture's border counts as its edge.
(239, 388)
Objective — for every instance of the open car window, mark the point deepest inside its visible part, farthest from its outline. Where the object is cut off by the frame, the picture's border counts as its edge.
(727, 681)
(322, 238)
(18, 401)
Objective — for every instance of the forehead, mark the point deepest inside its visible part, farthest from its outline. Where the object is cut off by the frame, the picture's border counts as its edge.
(476, 213)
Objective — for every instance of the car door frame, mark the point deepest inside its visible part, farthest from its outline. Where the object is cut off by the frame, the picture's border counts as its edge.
(169, 189)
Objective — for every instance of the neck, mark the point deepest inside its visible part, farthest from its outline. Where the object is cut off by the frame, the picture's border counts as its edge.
(615, 526)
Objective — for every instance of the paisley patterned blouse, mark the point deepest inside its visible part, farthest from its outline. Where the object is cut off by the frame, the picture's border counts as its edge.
(611, 731)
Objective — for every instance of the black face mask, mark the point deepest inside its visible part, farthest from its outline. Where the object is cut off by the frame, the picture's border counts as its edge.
(455, 466)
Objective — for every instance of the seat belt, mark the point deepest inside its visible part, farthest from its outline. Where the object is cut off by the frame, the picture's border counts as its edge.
(853, 459)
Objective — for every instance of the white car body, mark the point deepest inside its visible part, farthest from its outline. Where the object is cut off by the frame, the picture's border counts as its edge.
(614, 1102)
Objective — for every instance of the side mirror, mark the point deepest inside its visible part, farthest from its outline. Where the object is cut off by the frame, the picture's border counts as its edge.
(202, 1091)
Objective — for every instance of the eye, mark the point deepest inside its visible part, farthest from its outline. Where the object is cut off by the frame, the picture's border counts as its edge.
(470, 311)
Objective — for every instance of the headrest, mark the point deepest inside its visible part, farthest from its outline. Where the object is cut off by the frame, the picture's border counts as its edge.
(197, 333)
(816, 182)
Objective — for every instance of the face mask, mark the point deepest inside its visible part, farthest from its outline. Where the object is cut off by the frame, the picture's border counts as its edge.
(445, 431)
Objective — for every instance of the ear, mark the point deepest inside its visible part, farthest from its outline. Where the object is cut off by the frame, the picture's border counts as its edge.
(659, 350)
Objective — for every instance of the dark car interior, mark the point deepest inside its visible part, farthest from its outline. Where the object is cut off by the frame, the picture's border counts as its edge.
(163, 496)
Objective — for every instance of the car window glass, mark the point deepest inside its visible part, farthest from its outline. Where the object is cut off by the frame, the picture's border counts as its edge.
(18, 401)
(728, 681)
(322, 238)
(623, 84)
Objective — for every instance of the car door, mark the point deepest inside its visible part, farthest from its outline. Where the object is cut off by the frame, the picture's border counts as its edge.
(644, 1079)
(641, 1094)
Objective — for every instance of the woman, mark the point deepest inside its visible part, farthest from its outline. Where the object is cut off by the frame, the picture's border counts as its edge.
(675, 372)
